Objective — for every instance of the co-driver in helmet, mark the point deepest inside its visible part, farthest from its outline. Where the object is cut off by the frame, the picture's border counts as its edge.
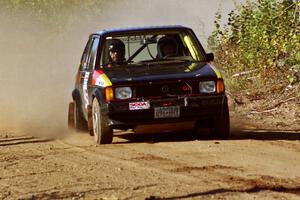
(167, 47)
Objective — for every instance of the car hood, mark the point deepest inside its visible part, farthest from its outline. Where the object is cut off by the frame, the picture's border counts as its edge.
(158, 72)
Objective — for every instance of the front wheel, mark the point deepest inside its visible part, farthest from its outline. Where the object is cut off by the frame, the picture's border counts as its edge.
(221, 127)
(103, 134)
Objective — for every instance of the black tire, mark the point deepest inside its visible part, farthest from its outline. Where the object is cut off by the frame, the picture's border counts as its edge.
(202, 129)
(75, 119)
(220, 129)
(103, 134)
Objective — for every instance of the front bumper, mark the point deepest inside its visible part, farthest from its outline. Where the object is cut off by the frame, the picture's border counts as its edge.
(194, 108)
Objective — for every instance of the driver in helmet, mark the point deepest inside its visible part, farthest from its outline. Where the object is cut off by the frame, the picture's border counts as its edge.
(116, 50)
(167, 47)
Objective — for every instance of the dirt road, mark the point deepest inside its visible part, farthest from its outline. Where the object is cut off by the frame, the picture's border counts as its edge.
(252, 164)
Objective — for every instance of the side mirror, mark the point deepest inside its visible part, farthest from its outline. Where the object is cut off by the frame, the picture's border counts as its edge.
(209, 57)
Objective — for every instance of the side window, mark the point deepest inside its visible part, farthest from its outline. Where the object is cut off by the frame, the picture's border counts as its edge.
(84, 58)
(93, 54)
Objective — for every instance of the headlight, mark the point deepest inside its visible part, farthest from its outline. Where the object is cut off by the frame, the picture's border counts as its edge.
(123, 93)
(207, 86)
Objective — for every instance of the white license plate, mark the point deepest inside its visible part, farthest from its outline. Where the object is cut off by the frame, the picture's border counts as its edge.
(167, 112)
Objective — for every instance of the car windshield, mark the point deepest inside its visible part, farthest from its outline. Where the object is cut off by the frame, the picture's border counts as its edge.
(150, 48)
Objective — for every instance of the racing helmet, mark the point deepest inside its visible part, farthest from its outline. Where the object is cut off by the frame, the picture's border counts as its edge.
(116, 45)
(167, 46)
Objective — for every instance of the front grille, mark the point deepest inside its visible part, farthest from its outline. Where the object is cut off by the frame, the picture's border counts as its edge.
(166, 89)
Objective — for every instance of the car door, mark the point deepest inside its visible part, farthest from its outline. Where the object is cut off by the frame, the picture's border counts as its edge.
(87, 73)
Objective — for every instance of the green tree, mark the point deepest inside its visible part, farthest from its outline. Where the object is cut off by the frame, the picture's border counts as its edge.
(263, 35)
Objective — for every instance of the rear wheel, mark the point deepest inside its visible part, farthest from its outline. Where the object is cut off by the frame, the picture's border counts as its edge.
(221, 127)
(75, 118)
(103, 134)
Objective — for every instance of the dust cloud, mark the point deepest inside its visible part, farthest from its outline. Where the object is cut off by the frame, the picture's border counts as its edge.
(38, 62)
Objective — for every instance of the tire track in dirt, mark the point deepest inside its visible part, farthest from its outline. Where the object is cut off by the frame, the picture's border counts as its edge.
(171, 170)
(269, 183)
(286, 145)
(20, 163)
(211, 172)
(87, 157)
(8, 139)
(172, 155)
(263, 185)
(189, 169)
(215, 172)
(21, 140)
(125, 162)
(146, 171)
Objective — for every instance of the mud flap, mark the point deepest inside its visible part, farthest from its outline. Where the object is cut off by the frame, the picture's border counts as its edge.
(71, 118)
(90, 120)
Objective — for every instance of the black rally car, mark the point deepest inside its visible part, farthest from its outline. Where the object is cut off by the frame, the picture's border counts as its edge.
(148, 75)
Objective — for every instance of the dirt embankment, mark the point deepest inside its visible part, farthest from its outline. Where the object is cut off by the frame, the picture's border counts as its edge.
(272, 108)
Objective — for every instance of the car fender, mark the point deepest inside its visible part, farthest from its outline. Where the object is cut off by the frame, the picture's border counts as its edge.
(99, 95)
(76, 96)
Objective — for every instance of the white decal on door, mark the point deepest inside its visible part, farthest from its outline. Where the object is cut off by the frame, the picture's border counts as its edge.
(85, 89)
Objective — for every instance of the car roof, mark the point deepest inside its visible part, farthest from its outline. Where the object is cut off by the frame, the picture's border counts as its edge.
(139, 29)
